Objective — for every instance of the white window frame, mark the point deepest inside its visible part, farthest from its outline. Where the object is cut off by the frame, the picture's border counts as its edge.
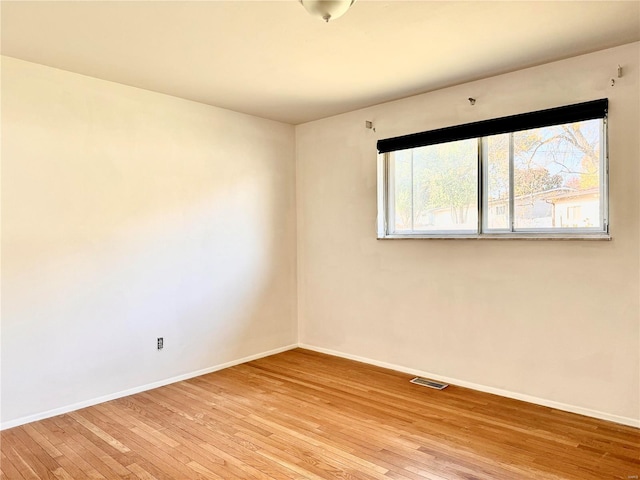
(386, 208)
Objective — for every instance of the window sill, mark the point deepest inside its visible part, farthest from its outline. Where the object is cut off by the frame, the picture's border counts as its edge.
(521, 236)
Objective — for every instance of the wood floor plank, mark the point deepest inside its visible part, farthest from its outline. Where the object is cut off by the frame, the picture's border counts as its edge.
(36, 459)
(141, 473)
(69, 459)
(22, 467)
(9, 470)
(305, 415)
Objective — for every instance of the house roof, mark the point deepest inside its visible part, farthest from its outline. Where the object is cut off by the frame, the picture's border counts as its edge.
(271, 59)
(573, 194)
(554, 194)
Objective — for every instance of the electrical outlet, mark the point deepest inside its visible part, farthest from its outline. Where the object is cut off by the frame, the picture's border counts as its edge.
(160, 343)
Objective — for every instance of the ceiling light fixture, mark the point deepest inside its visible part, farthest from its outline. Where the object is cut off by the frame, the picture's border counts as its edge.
(327, 9)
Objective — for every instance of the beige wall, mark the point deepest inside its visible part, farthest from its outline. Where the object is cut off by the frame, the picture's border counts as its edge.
(129, 215)
(555, 322)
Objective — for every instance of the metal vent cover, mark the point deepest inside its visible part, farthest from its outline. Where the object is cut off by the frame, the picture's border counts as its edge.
(425, 382)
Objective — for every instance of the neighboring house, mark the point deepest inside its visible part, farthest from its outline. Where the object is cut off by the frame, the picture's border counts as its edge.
(562, 207)
(577, 209)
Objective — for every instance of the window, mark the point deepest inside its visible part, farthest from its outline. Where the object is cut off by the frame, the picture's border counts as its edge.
(541, 174)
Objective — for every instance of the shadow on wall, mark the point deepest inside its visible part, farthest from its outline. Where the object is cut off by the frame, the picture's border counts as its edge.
(206, 278)
(127, 216)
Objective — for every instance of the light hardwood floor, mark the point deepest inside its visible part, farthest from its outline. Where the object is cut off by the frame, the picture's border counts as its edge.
(305, 415)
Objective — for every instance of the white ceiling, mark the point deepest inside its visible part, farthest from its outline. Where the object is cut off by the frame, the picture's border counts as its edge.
(273, 60)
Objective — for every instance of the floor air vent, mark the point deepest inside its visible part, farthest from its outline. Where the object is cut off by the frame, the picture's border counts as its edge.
(425, 382)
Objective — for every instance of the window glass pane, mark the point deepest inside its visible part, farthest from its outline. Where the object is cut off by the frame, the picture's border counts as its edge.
(498, 182)
(401, 167)
(557, 176)
(552, 178)
(445, 187)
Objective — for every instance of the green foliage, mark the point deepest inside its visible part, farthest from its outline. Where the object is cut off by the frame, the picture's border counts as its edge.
(445, 176)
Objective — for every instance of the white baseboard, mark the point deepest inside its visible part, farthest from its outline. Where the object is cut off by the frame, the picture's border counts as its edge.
(454, 381)
(632, 422)
(124, 393)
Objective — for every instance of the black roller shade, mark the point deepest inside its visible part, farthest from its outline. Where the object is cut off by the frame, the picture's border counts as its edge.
(512, 123)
